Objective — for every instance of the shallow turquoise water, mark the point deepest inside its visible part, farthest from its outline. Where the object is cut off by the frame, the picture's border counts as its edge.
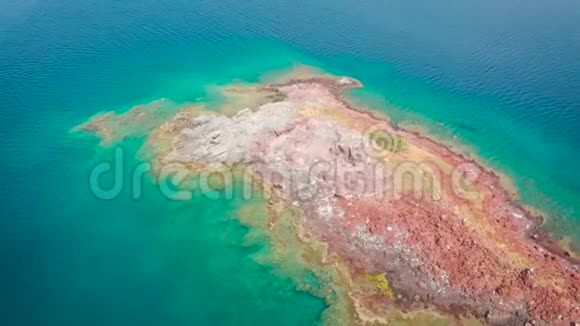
(501, 75)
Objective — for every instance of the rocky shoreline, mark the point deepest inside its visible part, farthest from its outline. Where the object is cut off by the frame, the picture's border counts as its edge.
(413, 223)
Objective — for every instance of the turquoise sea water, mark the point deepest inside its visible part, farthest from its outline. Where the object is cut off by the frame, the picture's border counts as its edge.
(502, 76)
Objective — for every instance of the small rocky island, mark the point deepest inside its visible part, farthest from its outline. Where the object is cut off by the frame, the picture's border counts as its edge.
(413, 228)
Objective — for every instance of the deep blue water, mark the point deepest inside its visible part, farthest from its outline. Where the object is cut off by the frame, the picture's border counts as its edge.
(504, 76)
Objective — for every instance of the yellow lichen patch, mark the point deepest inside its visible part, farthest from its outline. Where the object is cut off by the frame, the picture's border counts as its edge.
(342, 118)
(314, 110)
(548, 279)
(426, 317)
(381, 282)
